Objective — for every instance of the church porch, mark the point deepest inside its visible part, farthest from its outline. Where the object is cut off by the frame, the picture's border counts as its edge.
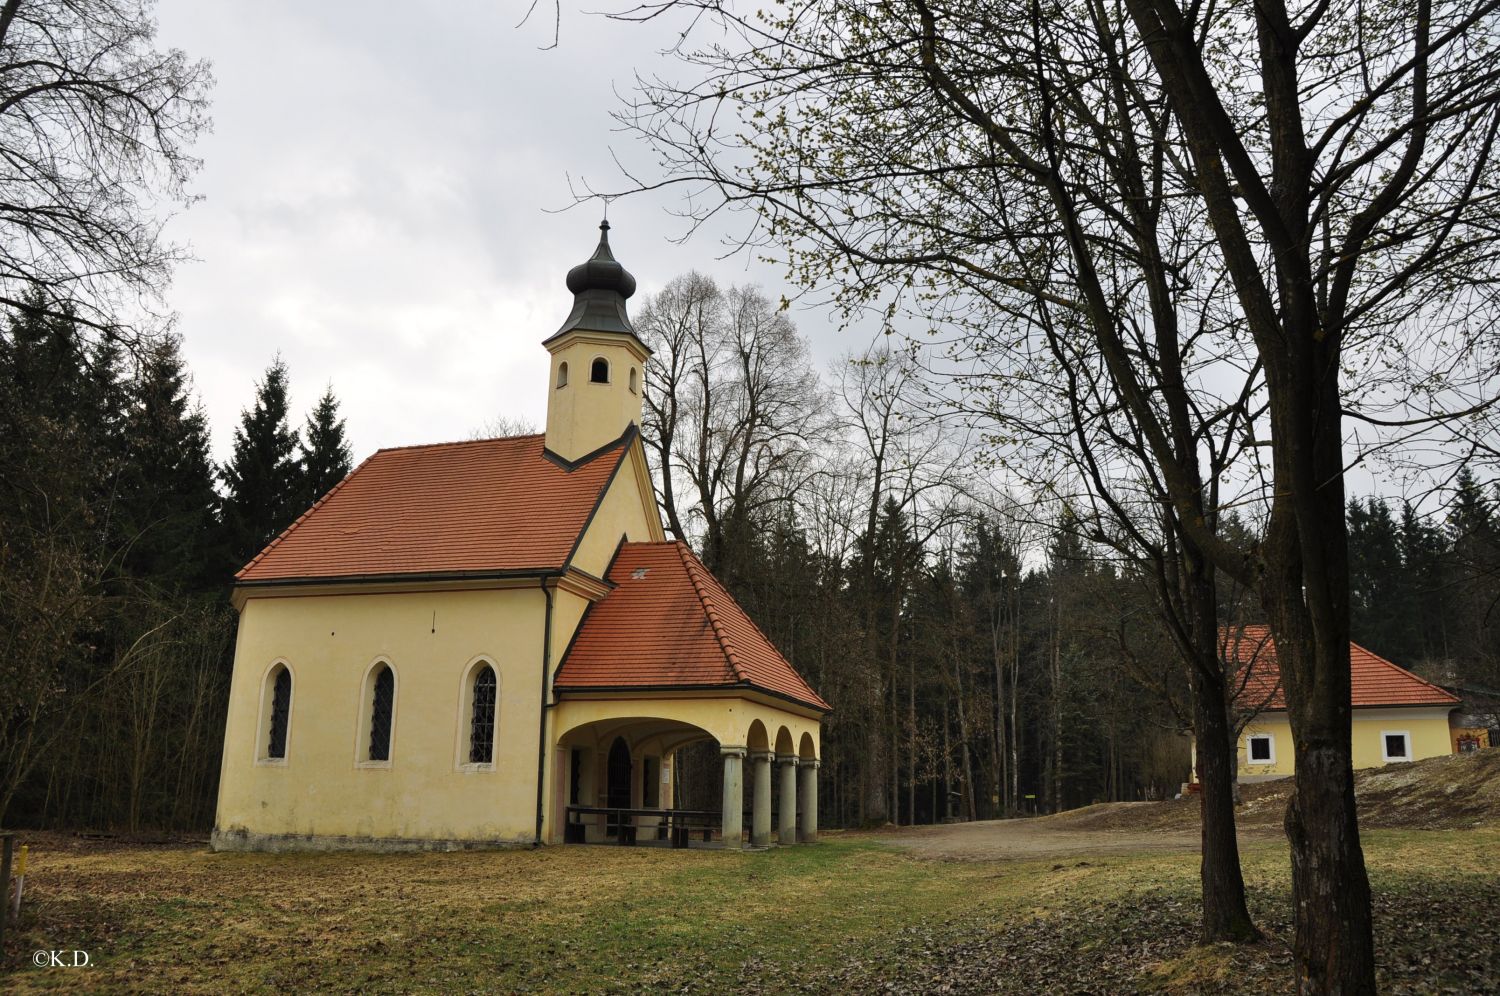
(619, 776)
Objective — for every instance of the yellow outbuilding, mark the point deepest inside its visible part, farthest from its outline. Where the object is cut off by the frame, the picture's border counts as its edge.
(493, 642)
(1396, 715)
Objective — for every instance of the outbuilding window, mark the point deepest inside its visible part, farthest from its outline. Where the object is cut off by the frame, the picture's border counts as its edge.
(599, 372)
(1395, 745)
(1261, 748)
(482, 717)
(281, 710)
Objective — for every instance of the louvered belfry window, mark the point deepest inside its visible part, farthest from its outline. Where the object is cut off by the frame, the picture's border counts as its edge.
(482, 723)
(380, 715)
(281, 707)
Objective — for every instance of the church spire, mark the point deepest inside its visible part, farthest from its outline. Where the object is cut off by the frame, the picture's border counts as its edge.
(600, 287)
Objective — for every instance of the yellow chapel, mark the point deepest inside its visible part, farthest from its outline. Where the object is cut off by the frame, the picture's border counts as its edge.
(493, 643)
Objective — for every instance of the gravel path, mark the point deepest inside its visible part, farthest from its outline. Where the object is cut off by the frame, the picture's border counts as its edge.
(1021, 840)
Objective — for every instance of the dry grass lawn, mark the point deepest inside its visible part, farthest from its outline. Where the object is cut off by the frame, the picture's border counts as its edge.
(848, 915)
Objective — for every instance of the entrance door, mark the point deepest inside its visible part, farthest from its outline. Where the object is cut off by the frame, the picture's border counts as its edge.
(617, 795)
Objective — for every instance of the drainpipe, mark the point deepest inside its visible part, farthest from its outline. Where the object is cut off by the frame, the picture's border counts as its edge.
(541, 732)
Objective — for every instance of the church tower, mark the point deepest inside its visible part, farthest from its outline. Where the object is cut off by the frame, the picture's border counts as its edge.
(598, 362)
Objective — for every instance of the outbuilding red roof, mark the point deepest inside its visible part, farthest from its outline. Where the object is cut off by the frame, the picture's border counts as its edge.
(669, 623)
(491, 506)
(1375, 681)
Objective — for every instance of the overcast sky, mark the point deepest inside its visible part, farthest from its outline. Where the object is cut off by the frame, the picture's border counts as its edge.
(373, 206)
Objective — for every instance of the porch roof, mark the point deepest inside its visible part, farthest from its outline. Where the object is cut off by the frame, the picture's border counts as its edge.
(667, 624)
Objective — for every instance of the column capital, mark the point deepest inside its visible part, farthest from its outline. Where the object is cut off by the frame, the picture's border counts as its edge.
(811, 762)
(791, 759)
(762, 755)
(732, 751)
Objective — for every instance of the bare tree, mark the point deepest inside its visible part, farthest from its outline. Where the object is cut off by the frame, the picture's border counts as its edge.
(95, 131)
(732, 407)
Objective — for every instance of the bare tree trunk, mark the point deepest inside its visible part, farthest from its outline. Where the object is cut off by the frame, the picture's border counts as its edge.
(1334, 933)
(911, 739)
(947, 765)
(1057, 690)
(1015, 708)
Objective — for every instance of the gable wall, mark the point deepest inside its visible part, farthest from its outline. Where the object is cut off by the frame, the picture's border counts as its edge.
(628, 510)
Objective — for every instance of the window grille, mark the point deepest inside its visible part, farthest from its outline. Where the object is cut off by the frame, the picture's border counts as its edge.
(482, 723)
(281, 705)
(380, 715)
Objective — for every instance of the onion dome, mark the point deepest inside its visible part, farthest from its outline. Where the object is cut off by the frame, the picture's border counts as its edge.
(600, 287)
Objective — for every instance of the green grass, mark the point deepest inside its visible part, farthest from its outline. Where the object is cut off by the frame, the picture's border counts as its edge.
(847, 915)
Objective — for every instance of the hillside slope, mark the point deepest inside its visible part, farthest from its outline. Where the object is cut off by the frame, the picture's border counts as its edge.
(1453, 792)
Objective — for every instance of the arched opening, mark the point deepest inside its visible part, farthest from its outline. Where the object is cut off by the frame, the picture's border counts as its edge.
(598, 762)
(484, 689)
(784, 742)
(617, 780)
(599, 371)
(381, 699)
(562, 374)
(635, 378)
(807, 791)
(276, 714)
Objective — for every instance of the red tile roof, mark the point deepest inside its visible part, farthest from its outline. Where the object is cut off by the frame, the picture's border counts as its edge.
(488, 506)
(1375, 681)
(669, 623)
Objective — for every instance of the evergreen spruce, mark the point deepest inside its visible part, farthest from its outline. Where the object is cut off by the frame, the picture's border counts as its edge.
(326, 459)
(170, 504)
(263, 478)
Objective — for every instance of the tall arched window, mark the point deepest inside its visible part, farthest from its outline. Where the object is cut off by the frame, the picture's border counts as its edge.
(482, 718)
(562, 374)
(281, 710)
(634, 381)
(599, 372)
(382, 711)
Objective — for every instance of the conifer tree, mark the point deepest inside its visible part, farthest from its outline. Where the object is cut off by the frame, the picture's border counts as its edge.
(263, 478)
(170, 509)
(326, 459)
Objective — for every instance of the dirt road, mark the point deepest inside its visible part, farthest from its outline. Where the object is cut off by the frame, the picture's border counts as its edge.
(1000, 840)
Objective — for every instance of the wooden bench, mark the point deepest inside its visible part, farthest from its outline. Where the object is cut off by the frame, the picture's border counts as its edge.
(676, 825)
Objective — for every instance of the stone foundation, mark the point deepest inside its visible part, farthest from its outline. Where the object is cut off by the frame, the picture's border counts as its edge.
(282, 843)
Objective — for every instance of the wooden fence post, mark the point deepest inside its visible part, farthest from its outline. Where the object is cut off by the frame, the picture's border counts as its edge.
(7, 845)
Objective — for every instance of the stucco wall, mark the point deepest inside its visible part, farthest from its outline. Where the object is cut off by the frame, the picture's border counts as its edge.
(325, 787)
(1427, 729)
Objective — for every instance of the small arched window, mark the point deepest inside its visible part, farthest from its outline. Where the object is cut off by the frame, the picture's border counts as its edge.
(634, 381)
(599, 372)
(281, 710)
(382, 711)
(562, 374)
(482, 718)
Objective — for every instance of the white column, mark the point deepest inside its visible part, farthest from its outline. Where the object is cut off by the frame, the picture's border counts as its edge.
(808, 802)
(788, 800)
(760, 813)
(734, 796)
